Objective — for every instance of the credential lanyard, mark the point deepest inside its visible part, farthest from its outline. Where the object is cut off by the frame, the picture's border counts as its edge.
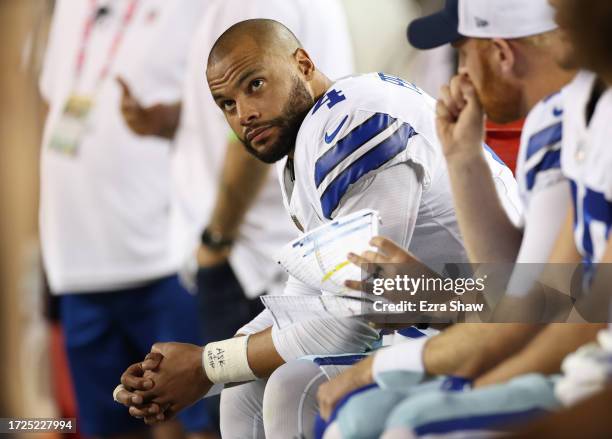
(114, 47)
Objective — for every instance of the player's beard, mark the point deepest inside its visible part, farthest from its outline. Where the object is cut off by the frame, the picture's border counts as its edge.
(294, 111)
(500, 99)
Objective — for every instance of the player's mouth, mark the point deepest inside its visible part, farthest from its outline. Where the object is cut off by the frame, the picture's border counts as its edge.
(258, 135)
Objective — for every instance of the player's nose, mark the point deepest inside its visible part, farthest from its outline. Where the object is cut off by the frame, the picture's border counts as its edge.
(247, 114)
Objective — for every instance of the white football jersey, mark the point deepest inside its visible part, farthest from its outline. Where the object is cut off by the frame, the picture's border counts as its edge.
(544, 191)
(586, 160)
(370, 142)
(539, 159)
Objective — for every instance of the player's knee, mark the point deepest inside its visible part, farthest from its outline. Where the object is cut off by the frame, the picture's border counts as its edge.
(289, 403)
(363, 415)
(333, 431)
(417, 410)
(398, 433)
(288, 384)
(244, 400)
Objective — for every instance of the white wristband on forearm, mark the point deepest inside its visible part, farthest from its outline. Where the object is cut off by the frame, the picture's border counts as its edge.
(226, 361)
(406, 356)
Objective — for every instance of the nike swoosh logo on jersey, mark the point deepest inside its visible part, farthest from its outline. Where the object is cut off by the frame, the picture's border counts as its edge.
(557, 112)
(329, 138)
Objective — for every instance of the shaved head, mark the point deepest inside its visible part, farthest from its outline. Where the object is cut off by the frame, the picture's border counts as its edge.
(265, 83)
(268, 35)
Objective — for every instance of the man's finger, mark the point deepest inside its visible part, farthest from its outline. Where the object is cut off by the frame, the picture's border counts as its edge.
(133, 378)
(159, 348)
(128, 398)
(362, 263)
(137, 383)
(322, 397)
(153, 394)
(356, 285)
(386, 246)
(443, 113)
(152, 361)
(356, 259)
(374, 257)
(448, 101)
(473, 105)
(456, 92)
(125, 89)
(144, 411)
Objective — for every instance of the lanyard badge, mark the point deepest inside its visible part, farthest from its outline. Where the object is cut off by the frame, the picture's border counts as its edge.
(73, 123)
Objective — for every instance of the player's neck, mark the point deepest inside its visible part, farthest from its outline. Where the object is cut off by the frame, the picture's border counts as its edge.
(320, 84)
(538, 86)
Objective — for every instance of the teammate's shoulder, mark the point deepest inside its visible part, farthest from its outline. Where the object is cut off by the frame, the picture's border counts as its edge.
(544, 124)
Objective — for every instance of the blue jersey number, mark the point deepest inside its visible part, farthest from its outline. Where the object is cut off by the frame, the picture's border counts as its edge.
(593, 221)
(330, 99)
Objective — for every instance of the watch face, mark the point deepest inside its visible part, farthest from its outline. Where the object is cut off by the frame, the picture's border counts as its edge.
(214, 240)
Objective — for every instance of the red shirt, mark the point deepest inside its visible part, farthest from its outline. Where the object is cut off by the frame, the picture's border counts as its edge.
(505, 140)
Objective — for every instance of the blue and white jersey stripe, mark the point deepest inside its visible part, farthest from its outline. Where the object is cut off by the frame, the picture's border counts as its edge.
(539, 160)
(348, 144)
(365, 149)
(543, 152)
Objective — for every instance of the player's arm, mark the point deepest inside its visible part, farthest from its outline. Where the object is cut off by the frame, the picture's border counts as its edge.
(544, 353)
(242, 179)
(464, 349)
(185, 373)
(460, 124)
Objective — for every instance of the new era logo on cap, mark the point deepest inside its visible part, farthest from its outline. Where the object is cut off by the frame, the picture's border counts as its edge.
(481, 22)
(504, 18)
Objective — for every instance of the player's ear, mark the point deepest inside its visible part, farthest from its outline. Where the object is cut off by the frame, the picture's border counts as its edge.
(503, 55)
(304, 63)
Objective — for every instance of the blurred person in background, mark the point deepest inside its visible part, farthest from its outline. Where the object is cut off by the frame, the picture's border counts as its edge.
(381, 47)
(105, 198)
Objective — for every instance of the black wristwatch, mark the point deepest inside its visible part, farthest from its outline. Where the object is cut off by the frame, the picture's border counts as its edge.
(214, 240)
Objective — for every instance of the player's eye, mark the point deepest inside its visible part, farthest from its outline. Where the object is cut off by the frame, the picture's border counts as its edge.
(256, 84)
(228, 105)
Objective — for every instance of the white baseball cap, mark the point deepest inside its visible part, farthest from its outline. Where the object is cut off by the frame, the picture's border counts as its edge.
(505, 18)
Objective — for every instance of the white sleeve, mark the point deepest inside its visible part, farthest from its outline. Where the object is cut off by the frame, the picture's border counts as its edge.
(543, 222)
(318, 336)
(261, 322)
(264, 320)
(395, 193)
(324, 336)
